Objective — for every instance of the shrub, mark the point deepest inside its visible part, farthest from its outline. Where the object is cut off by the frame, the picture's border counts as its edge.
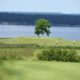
(57, 54)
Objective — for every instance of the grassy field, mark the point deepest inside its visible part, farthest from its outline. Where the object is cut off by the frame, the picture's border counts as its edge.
(31, 69)
(24, 52)
(36, 70)
(40, 41)
(16, 53)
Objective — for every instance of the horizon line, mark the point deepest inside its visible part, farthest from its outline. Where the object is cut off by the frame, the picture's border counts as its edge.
(38, 12)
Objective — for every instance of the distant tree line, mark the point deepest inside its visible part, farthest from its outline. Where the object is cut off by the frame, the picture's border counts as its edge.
(30, 18)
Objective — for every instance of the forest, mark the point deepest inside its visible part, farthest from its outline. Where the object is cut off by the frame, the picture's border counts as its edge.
(29, 18)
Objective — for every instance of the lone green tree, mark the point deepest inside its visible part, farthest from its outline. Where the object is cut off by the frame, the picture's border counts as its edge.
(42, 27)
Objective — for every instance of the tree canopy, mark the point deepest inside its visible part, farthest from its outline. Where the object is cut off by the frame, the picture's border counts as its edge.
(42, 27)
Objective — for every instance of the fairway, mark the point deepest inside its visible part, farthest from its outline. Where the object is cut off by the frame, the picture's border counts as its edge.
(36, 70)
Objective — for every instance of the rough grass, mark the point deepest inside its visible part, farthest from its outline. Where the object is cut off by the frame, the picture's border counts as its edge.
(16, 53)
(40, 41)
(25, 51)
(29, 70)
(21, 53)
(36, 70)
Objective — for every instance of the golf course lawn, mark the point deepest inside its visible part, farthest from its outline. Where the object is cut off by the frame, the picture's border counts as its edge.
(19, 63)
(37, 70)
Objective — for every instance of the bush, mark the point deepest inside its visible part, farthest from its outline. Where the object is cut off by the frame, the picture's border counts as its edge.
(57, 54)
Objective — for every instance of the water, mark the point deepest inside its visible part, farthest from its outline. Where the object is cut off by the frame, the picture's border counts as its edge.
(11, 31)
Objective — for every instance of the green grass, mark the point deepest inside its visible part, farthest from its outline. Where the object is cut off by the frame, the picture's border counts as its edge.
(21, 53)
(48, 41)
(29, 69)
(16, 53)
(26, 51)
(35, 70)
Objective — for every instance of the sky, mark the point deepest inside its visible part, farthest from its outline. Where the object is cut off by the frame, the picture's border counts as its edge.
(57, 6)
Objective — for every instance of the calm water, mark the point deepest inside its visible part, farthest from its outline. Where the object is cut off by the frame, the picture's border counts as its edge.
(70, 33)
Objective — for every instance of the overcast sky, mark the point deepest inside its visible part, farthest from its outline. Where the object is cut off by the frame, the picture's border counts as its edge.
(61, 6)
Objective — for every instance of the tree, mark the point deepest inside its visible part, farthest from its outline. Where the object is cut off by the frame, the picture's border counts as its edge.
(42, 27)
